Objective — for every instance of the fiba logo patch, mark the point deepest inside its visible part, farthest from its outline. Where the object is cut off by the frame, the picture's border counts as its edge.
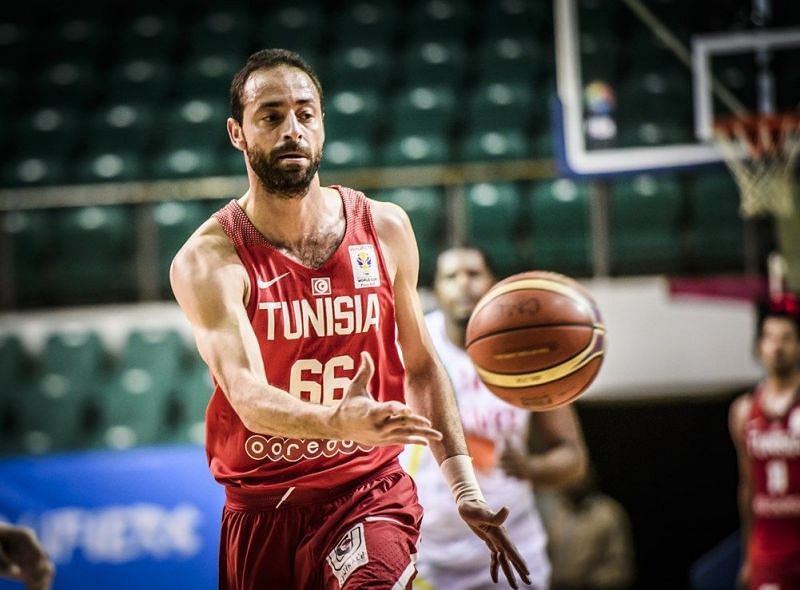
(349, 554)
(321, 286)
(365, 266)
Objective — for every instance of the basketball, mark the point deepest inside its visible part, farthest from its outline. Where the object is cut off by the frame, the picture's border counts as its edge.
(537, 340)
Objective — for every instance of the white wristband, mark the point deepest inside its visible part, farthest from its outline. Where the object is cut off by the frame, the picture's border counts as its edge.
(460, 477)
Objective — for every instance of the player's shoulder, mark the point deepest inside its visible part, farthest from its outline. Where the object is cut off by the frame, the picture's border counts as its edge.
(388, 216)
(205, 251)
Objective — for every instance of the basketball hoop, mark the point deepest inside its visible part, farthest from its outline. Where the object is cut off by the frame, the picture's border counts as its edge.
(761, 152)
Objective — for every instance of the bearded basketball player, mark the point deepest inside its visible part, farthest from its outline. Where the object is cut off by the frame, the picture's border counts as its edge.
(303, 303)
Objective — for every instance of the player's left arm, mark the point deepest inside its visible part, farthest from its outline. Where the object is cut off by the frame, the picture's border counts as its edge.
(564, 459)
(429, 392)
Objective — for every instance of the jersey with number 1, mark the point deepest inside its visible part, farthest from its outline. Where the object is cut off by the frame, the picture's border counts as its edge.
(773, 448)
(311, 325)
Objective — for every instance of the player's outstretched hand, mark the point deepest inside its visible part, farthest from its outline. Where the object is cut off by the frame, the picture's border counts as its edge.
(361, 418)
(488, 525)
(22, 558)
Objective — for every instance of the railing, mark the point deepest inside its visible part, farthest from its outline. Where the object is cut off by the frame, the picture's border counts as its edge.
(148, 193)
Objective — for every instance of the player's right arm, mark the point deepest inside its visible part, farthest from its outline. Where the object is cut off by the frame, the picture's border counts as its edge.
(211, 285)
(739, 412)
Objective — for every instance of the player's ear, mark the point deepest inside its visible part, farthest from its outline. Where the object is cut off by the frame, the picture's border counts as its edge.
(236, 134)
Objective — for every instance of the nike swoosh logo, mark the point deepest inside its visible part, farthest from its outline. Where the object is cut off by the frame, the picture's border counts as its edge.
(269, 283)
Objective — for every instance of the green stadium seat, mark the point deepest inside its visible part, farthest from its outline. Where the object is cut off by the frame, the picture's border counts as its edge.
(653, 132)
(560, 227)
(188, 161)
(95, 254)
(347, 152)
(645, 214)
(439, 19)
(294, 25)
(16, 43)
(493, 215)
(10, 90)
(509, 59)
(48, 131)
(13, 362)
(32, 237)
(70, 82)
(191, 396)
(210, 74)
(175, 220)
(230, 162)
(542, 145)
(160, 351)
(222, 30)
(501, 144)
(715, 239)
(515, 17)
(666, 92)
(360, 67)
(434, 62)
(152, 36)
(77, 355)
(132, 410)
(122, 126)
(133, 405)
(599, 56)
(425, 209)
(79, 36)
(499, 105)
(424, 110)
(109, 166)
(140, 79)
(350, 113)
(403, 150)
(370, 21)
(51, 414)
(197, 121)
(33, 170)
(596, 16)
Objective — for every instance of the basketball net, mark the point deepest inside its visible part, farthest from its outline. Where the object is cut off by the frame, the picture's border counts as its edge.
(761, 152)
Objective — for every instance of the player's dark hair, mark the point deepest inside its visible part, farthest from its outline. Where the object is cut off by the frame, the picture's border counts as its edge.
(785, 306)
(264, 60)
(487, 260)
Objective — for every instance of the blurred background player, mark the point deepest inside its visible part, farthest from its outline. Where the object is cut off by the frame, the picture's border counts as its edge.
(765, 426)
(22, 558)
(497, 433)
(589, 537)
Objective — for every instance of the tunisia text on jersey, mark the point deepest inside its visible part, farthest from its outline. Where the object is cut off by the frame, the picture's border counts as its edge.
(312, 325)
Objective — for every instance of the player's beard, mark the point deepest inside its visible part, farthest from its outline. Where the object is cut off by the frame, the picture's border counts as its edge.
(286, 183)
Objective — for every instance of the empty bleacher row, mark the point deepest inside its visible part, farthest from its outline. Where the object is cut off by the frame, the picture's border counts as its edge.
(657, 224)
(144, 95)
(76, 394)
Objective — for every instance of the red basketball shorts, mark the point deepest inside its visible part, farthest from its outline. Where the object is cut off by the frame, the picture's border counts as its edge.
(364, 537)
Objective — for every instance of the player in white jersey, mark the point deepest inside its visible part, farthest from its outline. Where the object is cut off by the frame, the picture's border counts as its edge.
(450, 556)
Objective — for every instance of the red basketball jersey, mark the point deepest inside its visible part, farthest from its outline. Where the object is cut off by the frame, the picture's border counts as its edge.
(773, 448)
(311, 325)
